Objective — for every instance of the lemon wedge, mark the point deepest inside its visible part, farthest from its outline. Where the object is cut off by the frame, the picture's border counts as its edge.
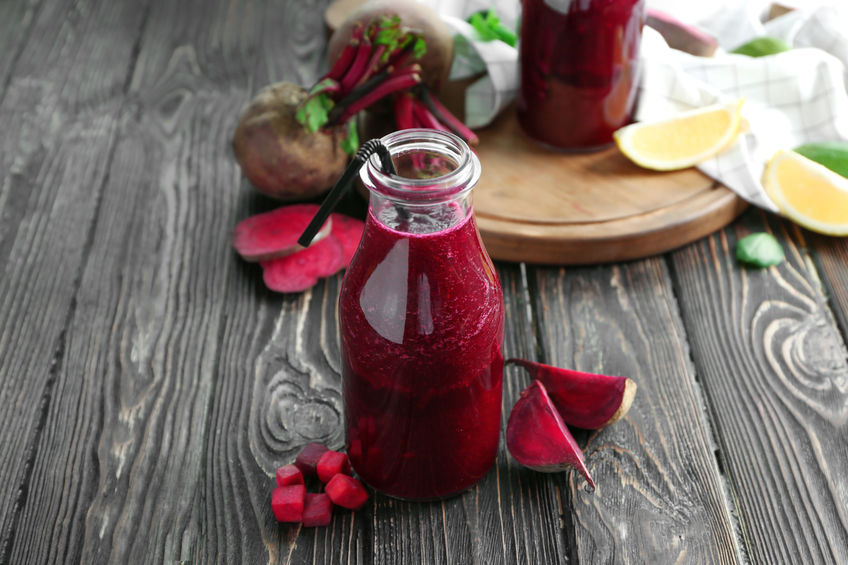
(683, 140)
(808, 193)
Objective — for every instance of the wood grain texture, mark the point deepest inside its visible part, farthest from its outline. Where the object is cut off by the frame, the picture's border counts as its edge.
(773, 366)
(16, 21)
(831, 257)
(59, 115)
(120, 459)
(660, 497)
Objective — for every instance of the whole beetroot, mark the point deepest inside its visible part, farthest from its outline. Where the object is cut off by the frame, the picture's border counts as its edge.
(278, 155)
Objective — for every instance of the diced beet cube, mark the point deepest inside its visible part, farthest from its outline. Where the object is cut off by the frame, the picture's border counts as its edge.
(317, 510)
(331, 464)
(346, 492)
(287, 503)
(307, 459)
(289, 475)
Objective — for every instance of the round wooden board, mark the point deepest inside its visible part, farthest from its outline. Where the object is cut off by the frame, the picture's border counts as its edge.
(539, 206)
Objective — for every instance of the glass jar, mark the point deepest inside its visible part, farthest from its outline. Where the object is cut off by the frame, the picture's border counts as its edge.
(421, 323)
(579, 63)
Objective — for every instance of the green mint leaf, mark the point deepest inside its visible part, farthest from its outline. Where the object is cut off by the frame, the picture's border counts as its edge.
(760, 250)
(351, 141)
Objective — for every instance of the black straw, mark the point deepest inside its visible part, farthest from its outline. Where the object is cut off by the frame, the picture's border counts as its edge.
(365, 151)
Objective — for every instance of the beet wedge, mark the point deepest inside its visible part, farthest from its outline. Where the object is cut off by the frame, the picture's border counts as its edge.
(584, 400)
(274, 234)
(537, 437)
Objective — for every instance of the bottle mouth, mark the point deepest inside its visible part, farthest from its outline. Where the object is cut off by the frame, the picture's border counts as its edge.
(432, 166)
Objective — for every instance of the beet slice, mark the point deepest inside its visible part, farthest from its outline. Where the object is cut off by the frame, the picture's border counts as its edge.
(274, 234)
(346, 492)
(287, 503)
(307, 459)
(583, 400)
(348, 232)
(289, 475)
(331, 464)
(537, 437)
(317, 510)
(301, 270)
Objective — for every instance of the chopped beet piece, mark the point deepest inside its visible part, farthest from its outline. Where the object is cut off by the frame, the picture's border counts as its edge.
(289, 475)
(331, 464)
(287, 503)
(307, 459)
(301, 270)
(346, 492)
(274, 234)
(317, 510)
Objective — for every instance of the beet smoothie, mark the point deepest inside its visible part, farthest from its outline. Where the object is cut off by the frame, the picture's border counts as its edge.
(579, 69)
(421, 323)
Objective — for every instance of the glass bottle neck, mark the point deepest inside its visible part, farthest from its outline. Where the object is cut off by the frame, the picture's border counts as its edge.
(431, 191)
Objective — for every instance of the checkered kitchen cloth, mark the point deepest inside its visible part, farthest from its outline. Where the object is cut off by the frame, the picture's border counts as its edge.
(790, 98)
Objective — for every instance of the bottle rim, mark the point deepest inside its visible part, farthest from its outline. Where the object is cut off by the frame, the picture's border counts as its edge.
(449, 186)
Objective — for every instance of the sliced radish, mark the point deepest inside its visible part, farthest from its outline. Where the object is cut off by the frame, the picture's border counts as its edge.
(274, 234)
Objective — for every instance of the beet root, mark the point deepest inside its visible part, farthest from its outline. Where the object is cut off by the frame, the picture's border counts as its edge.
(307, 459)
(288, 475)
(301, 270)
(537, 437)
(348, 232)
(331, 464)
(317, 510)
(287, 503)
(278, 155)
(436, 62)
(274, 234)
(346, 492)
(583, 400)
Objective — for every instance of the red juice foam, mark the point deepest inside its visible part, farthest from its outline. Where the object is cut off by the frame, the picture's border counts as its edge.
(579, 69)
(421, 320)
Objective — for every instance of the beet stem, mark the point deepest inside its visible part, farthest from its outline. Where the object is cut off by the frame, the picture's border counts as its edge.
(373, 63)
(357, 68)
(387, 87)
(343, 62)
(404, 118)
(444, 115)
(426, 117)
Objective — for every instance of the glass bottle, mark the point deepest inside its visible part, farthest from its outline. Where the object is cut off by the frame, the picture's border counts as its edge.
(579, 63)
(421, 323)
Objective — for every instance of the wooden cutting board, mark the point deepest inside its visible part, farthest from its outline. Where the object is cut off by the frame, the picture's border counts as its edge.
(539, 206)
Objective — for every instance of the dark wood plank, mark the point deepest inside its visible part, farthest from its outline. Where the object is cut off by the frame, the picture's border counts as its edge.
(58, 115)
(16, 21)
(831, 257)
(660, 497)
(773, 366)
(121, 460)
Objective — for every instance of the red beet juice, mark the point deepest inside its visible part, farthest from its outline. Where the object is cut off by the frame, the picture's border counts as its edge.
(421, 324)
(579, 69)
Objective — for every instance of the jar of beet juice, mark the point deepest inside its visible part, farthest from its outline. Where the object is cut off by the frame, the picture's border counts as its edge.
(579, 63)
(421, 321)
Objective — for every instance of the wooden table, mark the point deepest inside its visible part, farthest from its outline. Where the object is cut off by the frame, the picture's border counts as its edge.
(149, 384)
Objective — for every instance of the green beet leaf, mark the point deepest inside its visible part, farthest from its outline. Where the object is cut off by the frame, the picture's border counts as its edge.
(760, 250)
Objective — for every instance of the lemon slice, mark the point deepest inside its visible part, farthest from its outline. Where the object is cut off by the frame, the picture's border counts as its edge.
(683, 140)
(808, 193)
